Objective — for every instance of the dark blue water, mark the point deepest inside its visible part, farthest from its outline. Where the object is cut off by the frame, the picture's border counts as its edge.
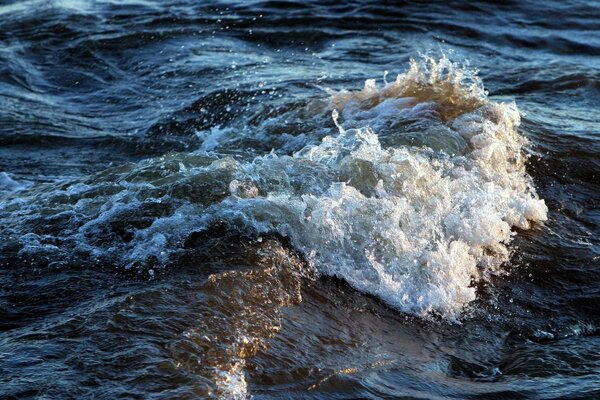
(191, 206)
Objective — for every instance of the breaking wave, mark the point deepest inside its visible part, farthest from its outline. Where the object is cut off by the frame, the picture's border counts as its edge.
(412, 201)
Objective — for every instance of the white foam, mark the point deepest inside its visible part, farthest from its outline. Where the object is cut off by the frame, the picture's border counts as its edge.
(410, 225)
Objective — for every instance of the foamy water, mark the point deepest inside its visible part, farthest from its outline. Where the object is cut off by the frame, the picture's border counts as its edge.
(412, 225)
(272, 200)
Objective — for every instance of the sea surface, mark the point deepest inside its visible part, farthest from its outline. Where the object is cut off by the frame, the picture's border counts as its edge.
(299, 199)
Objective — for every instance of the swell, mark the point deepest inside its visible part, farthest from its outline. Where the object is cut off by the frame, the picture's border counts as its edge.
(300, 22)
(566, 82)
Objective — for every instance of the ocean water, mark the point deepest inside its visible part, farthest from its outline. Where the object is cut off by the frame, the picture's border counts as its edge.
(303, 200)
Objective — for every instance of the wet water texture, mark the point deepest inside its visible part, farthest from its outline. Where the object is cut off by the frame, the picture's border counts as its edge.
(318, 199)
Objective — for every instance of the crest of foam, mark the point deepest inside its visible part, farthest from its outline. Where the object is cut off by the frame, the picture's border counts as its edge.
(453, 89)
(410, 225)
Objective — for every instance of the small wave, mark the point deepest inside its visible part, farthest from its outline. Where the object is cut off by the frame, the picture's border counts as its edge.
(9, 184)
(413, 224)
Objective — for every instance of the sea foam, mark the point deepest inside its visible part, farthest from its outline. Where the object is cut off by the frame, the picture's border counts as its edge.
(411, 225)
(413, 200)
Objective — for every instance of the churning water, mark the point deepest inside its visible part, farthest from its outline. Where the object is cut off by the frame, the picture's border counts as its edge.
(276, 199)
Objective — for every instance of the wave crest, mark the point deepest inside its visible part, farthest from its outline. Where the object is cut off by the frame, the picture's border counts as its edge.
(453, 89)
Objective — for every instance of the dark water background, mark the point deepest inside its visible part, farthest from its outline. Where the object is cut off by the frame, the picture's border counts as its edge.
(88, 85)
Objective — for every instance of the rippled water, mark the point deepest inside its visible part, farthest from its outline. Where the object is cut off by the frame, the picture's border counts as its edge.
(276, 199)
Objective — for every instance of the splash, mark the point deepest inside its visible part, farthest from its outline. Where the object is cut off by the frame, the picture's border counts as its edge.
(410, 225)
(412, 201)
(450, 89)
